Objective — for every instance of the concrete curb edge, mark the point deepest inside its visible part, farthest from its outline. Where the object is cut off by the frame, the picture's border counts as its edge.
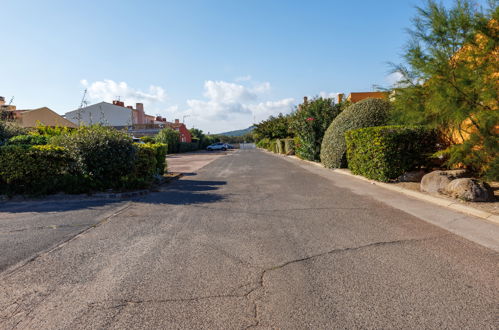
(421, 196)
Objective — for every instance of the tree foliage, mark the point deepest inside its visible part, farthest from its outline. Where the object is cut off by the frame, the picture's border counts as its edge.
(450, 81)
(310, 122)
(273, 128)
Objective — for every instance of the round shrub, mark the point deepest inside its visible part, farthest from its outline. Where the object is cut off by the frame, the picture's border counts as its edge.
(31, 140)
(103, 155)
(366, 113)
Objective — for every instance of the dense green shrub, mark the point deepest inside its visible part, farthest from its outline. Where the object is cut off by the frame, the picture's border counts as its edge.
(310, 122)
(161, 150)
(49, 131)
(9, 130)
(103, 155)
(263, 143)
(272, 146)
(145, 165)
(186, 146)
(289, 146)
(279, 146)
(148, 139)
(366, 113)
(34, 170)
(170, 137)
(386, 152)
(30, 139)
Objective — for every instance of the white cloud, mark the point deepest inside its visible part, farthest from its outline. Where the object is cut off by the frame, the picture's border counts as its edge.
(109, 90)
(394, 78)
(263, 110)
(329, 95)
(243, 78)
(229, 105)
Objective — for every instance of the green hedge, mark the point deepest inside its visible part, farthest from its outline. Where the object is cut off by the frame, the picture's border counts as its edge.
(34, 170)
(161, 150)
(45, 169)
(289, 146)
(385, 153)
(31, 140)
(103, 155)
(188, 146)
(263, 143)
(170, 137)
(366, 113)
(279, 146)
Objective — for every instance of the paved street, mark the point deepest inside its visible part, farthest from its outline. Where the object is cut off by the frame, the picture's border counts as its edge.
(249, 240)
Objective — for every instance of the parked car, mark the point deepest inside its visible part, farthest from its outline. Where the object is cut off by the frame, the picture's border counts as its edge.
(217, 146)
(137, 140)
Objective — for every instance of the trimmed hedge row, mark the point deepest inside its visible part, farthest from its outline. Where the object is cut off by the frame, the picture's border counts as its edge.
(35, 170)
(386, 152)
(278, 146)
(45, 169)
(365, 113)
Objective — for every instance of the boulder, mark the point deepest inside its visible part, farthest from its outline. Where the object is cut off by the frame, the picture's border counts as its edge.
(437, 181)
(411, 176)
(471, 190)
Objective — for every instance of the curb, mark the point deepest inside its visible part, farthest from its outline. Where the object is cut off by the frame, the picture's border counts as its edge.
(421, 196)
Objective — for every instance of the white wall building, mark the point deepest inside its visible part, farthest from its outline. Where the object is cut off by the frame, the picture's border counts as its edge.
(103, 113)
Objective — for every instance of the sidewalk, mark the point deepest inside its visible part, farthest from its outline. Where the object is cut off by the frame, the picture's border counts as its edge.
(483, 230)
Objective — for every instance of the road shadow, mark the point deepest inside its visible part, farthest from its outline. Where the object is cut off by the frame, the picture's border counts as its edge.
(181, 192)
(55, 205)
(185, 192)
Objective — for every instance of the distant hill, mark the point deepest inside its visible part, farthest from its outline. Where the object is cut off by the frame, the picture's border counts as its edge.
(239, 132)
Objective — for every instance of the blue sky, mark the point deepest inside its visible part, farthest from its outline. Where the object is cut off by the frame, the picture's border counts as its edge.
(222, 63)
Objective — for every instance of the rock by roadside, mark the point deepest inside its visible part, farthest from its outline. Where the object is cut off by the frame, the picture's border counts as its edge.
(471, 190)
(491, 207)
(436, 181)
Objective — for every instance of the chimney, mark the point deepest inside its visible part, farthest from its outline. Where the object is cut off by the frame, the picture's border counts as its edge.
(129, 107)
(177, 121)
(119, 103)
(305, 100)
(340, 97)
(2, 100)
(139, 106)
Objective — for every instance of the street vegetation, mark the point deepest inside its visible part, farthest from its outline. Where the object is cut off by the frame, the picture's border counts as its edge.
(447, 98)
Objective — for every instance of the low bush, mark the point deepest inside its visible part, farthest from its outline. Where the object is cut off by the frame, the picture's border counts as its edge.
(145, 166)
(279, 146)
(103, 155)
(272, 146)
(263, 143)
(385, 153)
(161, 150)
(148, 139)
(30, 139)
(289, 146)
(170, 137)
(34, 170)
(186, 146)
(9, 130)
(365, 113)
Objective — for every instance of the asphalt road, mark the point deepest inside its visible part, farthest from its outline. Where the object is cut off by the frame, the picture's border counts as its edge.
(252, 240)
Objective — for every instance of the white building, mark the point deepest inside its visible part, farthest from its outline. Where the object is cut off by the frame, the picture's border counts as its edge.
(103, 113)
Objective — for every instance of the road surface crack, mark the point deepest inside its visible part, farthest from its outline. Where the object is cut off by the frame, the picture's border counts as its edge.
(261, 282)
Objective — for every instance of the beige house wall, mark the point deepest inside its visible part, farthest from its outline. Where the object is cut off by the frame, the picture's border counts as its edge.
(44, 116)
